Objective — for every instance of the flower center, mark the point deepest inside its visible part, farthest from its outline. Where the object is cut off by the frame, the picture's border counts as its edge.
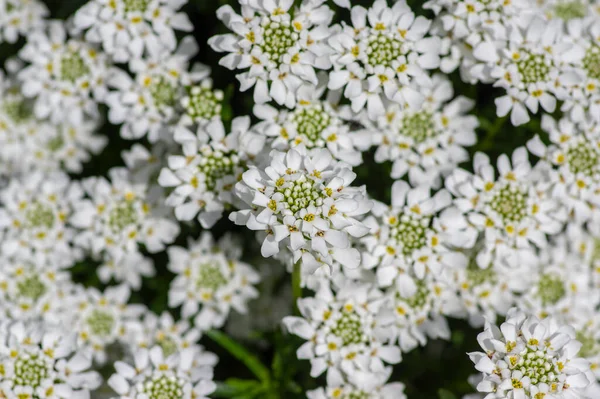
(510, 202)
(568, 10)
(301, 193)
(215, 165)
(533, 68)
(278, 38)
(210, 277)
(349, 328)
(537, 365)
(39, 215)
(591, 62)
(551, 289)
(122, 215)
(583, 158)
(204, 103)
(168, 345)
(590, 346)
(409, 232)
(478, 276)
(311, 122)
(30, 370)
(136, 5)
(56, 143)
(356, 395)
(72, 67)
(382, 50)
(163, 93)
(18, 111)
(101, 323)
(31, 287)
(163, 387)
(419, 126)
(420, 298)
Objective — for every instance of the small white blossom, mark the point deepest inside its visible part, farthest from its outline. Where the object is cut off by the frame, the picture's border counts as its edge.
(156, 376)
(427, 142)
(374, 387)
(20, 17)
(380, 54)
(119, 216)
(129, 29)
(210, 281)
(66, 76)
(280, 47)
(148, 102)
(303, 201)
(37, 362)
(528, 358)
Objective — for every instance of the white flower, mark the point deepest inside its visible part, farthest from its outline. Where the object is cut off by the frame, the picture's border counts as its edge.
(527, 359)
(37, 362)
(425, 142)
(373, 387)
(148, 102)
(573, 163)
(170, 335)
(303, 201)
(204, 176)
(343, 331)
(155, 376)
(513, 211)
(380, 54)
(65, 76)
(31, 290)
(417, 309)
(562, 285)
(34, 213)
(29, 144)
(530, 67)
(20, 17)
(407, 236)
(119, 215)
(280, 47)
(129, 29)
(313, 123)
(129, 269)
(210, 281)
(101, 319)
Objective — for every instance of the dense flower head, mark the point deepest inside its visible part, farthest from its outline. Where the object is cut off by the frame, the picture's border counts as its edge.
(118, 216)
(344, 331)
(426, 142)
(280, 46)
(377, 56)
(34, 214)
(513, 209)
(150, 101)
(66, 76)
(313, 123)
(154, 375)
(130, 29)
(203, 177)
(374, 387)
(38, 362)
(305, 203)
(19, 17)
(529, 358)
(211, 280)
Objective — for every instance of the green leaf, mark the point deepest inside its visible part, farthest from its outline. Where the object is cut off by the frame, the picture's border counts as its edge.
(241, 353)
(445, 394)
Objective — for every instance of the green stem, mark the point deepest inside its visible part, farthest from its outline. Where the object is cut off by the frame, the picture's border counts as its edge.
(297, 284)
(492, 130)
(242, 354)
